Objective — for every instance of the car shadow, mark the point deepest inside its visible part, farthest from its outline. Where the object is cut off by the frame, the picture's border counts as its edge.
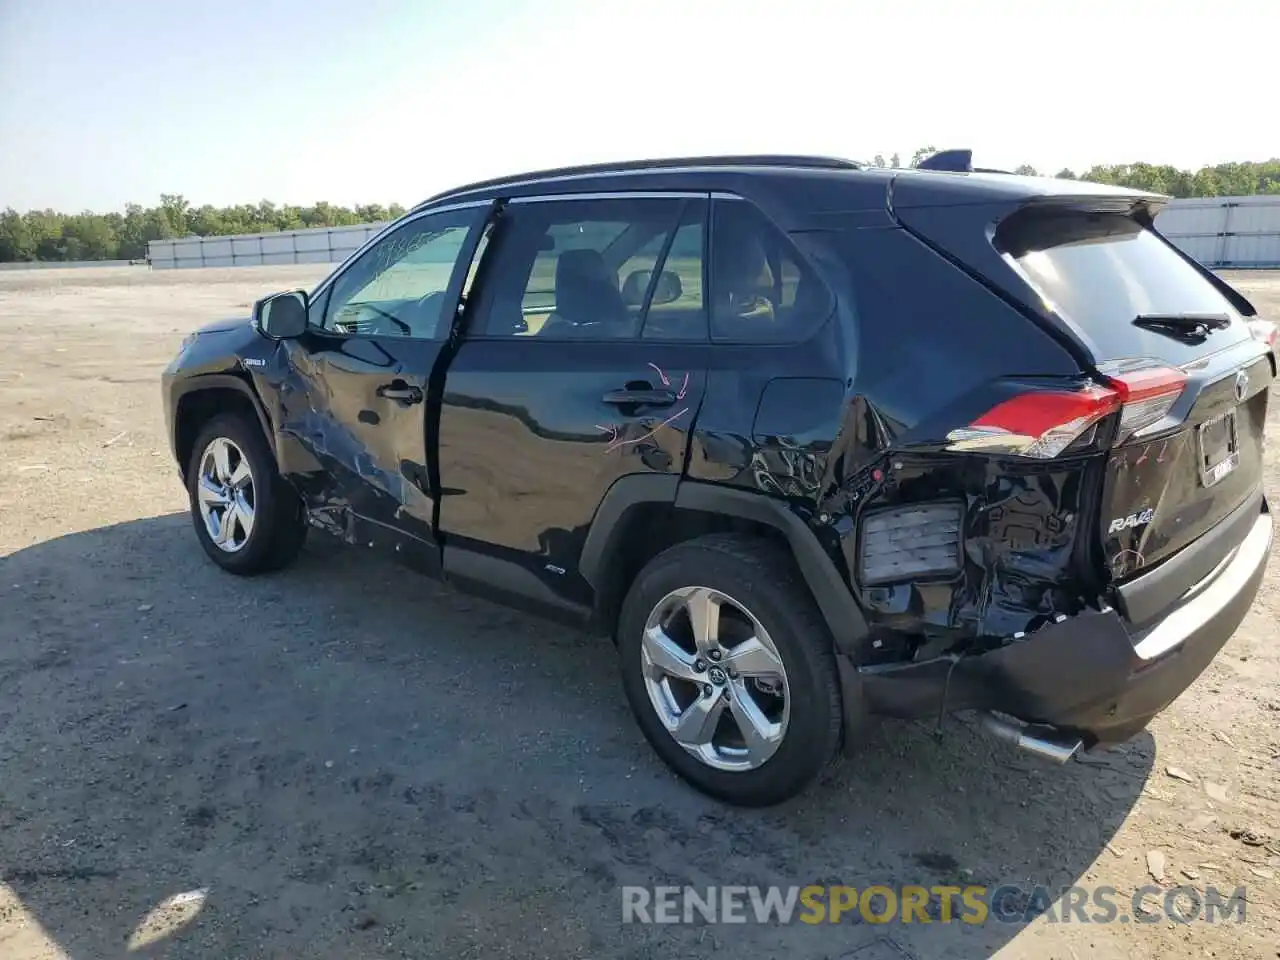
(346, 759)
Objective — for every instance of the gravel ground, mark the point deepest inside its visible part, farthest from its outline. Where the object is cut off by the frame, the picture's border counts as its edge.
(347, 760)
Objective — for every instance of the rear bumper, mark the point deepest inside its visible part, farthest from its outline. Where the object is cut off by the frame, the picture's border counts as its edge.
(1089, 675)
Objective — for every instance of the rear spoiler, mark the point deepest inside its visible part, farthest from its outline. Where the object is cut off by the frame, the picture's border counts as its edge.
(953, 161)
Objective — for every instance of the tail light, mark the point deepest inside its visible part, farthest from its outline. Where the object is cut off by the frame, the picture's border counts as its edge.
(1266, 331)
(1041, 424)
(1147, 393)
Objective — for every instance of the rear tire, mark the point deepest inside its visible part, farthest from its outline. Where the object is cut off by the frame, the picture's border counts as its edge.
(246, 517)
(751, 733)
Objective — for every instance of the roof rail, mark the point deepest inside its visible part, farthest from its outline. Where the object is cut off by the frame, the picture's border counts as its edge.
(661, 163)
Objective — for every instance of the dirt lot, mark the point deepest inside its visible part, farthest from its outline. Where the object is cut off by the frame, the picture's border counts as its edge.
(345, 760)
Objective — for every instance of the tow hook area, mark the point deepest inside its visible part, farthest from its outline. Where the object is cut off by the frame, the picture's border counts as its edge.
(1039, 739)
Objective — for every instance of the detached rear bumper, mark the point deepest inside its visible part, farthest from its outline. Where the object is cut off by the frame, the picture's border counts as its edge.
(1089, 675)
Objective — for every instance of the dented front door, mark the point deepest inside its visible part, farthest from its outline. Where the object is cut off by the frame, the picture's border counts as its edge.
(355, 390)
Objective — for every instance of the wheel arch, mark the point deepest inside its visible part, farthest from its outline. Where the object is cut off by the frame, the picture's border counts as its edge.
(661, 510)
(199, 399)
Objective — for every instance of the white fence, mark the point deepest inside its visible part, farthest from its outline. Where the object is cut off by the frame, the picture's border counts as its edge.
(318, 245)
(1226, 231)
(1217, 231)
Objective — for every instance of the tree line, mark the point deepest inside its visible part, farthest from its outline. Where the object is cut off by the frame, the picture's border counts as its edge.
(1224, 180)
(50, 235)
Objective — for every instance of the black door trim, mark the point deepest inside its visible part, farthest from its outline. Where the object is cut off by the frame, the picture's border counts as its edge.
(222, 381)
(510, 583)
(603, 539)
(835, 600)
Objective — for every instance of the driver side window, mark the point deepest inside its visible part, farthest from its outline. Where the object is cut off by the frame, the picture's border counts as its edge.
(397, 287)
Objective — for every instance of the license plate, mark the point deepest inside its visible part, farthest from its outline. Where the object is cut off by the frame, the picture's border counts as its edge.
(1219, 451)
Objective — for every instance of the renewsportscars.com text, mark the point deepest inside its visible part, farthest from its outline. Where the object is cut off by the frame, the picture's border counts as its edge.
(972, 904)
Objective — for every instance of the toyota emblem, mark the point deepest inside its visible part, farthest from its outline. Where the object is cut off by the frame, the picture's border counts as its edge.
(1242, 386)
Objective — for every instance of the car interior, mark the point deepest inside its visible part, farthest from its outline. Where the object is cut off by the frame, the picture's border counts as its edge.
(592, 284)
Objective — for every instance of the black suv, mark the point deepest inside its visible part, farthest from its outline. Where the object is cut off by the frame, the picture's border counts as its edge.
(811, 441)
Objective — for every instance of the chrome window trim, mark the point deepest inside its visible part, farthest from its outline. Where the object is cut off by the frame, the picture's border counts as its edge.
(615, 195)
(408, 218)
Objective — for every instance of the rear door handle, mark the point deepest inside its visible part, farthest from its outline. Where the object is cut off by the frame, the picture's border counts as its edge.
(401, 392)
(648, 398)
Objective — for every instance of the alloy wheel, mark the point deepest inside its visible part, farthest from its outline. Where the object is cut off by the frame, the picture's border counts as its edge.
(715, 678)
(225, 495)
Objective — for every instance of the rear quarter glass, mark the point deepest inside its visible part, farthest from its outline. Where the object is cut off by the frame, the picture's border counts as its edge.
(1100, 271)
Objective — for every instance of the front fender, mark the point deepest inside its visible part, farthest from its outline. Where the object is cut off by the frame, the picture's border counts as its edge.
(180, 388)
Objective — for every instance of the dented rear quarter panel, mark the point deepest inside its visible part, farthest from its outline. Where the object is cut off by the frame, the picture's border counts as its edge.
(1025, 562)
(854, 421)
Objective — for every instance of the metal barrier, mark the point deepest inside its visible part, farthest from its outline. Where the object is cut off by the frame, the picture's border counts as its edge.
(318, 245)
(1227, 232)
(1217, 231)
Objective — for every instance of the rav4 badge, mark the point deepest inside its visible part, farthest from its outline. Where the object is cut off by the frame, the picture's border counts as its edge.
(1132, 520)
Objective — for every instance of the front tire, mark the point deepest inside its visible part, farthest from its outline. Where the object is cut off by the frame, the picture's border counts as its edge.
(246, 517)
(729, 669)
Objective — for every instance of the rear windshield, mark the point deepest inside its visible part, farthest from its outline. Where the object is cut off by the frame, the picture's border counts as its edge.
(1101, 271)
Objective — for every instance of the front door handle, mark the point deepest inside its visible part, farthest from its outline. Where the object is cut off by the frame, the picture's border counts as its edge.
(401, 392)
(647, 398)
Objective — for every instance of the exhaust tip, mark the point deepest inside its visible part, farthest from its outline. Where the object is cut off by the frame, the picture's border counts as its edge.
(1039, 740)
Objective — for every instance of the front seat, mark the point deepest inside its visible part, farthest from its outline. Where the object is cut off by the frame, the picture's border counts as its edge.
(588, 301)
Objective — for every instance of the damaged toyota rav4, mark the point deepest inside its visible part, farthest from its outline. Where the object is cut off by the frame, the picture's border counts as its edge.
(810, 442)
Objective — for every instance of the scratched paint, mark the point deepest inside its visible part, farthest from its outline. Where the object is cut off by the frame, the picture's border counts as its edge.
(666, 381)
(616, 440)
(1127, 561)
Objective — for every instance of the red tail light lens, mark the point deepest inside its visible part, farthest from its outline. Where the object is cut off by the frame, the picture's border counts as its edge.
(1043, 423)
(1039, 424)
(1266, 331)
(1147, 392)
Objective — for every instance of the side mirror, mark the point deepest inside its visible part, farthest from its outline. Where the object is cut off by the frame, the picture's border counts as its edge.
(281, 316)
(668, 290)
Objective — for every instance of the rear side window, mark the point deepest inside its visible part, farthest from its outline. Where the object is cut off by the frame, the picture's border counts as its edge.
(1102, 271)
(762, 290)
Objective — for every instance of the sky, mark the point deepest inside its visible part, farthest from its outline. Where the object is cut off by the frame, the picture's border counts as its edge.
(104, 102)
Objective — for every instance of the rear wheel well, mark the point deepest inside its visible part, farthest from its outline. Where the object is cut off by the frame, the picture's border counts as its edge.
(649, 528)
(197, 408)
